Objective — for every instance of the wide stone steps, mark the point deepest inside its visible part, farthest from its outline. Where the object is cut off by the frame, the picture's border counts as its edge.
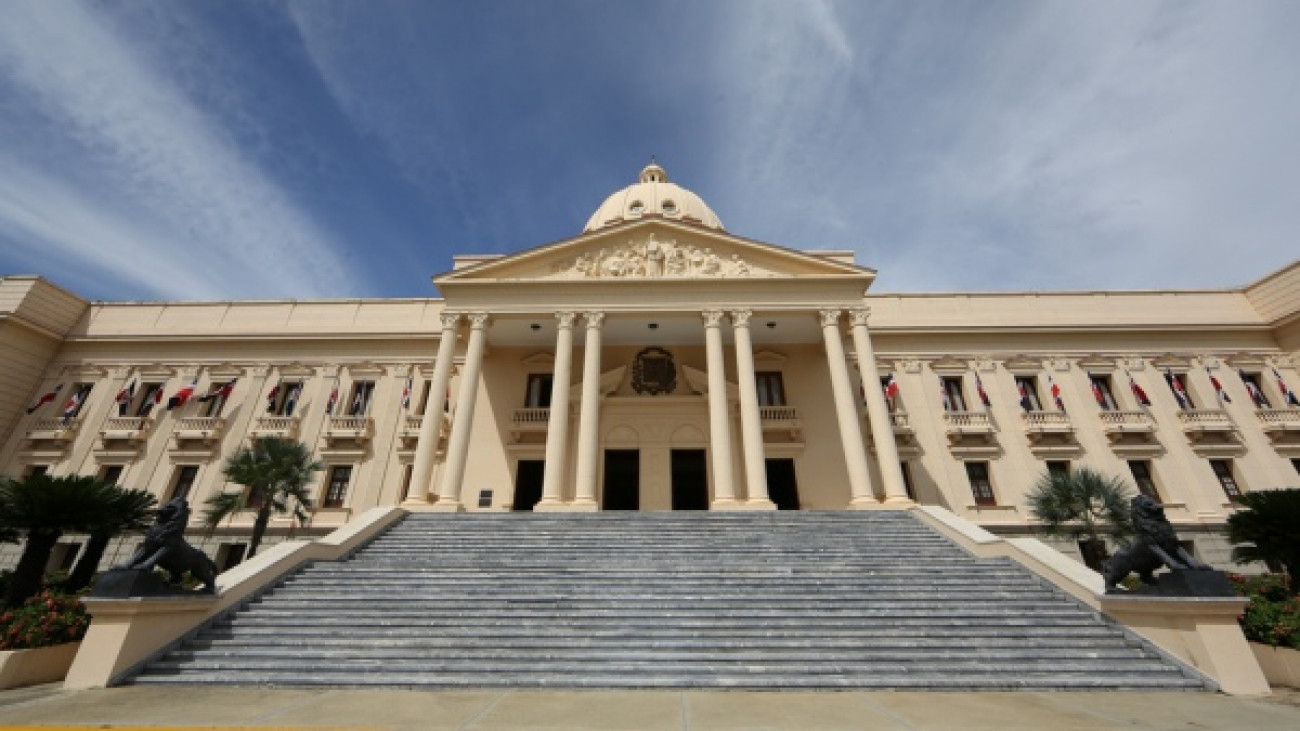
(759, 600)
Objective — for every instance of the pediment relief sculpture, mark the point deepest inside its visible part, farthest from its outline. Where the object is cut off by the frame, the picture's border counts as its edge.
(649, 258)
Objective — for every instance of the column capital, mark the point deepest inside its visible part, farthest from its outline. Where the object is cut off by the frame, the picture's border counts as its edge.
(859, 315)
(594, 320)
(478, 320)
(740, 318)
(564, 320)
(829, 317)
(712, 318)
(449, 320)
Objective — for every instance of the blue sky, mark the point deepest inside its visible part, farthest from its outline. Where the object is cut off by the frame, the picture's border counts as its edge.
(205, 150)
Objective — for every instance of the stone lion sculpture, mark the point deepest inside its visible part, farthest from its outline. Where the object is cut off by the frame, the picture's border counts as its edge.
(1156, 545)
(165, 547)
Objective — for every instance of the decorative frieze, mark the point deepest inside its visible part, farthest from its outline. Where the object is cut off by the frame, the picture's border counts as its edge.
(649, 258)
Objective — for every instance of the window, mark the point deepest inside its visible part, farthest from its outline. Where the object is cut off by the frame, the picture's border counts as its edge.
(337, 489)
(424, 397)
(362, 392)
(1223, 470)
(771, 389)
(1178, 385)
(1102, 393)
(1027, 387)
(953, 400)
(1296, 464)
(406, 480)
(36, 470)
(62, 557)
(286, 397)
(1146, 484)
(907, 479)
(111, 473)
(149, 397)
(538, 393)
(183, 481)
(217, 395)
(1058, 467)
(1254, 386)
(980, 487)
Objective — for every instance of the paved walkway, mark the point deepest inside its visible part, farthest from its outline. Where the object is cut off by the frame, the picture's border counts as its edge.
(385, 709)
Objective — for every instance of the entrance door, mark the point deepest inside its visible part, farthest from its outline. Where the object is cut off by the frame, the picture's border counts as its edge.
(781, 486)
(622, 480)
(528, 483)
(690, 479)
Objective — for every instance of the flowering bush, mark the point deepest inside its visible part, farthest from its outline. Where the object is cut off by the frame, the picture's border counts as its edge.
(1273, 615)
(49, 618)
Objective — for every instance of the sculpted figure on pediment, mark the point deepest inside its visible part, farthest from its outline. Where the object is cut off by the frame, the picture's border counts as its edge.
(651, 258)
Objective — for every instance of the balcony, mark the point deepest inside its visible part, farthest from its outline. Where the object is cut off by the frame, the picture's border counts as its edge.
(49, 438)
(1050, 433)
(1211, 432)
(780, 420)
(1282, 426)
(1119, 423)
(197, 436)
(904, 435)
(529, 423)
(971, 434)
(356, 430)
(132, 429)
(285, 427)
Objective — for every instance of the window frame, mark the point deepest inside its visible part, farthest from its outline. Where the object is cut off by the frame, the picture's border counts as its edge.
(1102, 382)
(985, 497)
(1030, 384)
(1150, 478)
(178, 477)
(770, 387)
(538, 390)
(365, 390)
(334, 493)
(1227, 477)
(954, 391)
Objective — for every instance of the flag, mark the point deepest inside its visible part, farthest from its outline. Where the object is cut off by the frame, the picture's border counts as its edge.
(943, 391)
(357, 402)
(124, 398)
(74, 403)
(1100, 396)
(1176, 386)
(1218, 388)
(984, 397)
(1287, 394)
(152, 398)
(1056, 392)
(291, 400)
(1025, 403)
(270, 398)
(891, 387)
(1253, 390)
(406, 394)
(45, 398)
(222, 391)
(183, 395)
(334, 398)
(1137, 390)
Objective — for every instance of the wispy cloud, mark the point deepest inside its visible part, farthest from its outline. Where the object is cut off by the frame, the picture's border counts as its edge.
(134, 143)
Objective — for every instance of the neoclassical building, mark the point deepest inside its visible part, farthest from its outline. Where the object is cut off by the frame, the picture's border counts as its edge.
(657, 361)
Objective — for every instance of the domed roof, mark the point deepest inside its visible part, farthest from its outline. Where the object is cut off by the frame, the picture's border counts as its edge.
(653, 195)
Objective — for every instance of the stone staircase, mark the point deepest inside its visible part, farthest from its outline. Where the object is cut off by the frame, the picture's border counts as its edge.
(830, 600)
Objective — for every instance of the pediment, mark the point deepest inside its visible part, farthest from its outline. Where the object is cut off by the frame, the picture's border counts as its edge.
(653, 250)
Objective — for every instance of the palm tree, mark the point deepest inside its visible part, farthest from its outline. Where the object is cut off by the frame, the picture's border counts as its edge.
(276, 472)
(126, 510)
(42, 508)
(1270, 529)
(1085, 505)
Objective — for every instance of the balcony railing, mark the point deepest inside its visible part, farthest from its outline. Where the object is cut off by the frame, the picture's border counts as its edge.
(54, 428)
(1127, 421)
(125, 427)
(1205, 420)
(1279, 419)
(968, 421)
(206, 428)
(276, 426)
(1055, 421)
(782, 414)
(534, 417)
(901, 421)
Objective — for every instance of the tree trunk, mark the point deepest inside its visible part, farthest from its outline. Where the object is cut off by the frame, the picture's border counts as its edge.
(259, 528)
(88, 564)
(30, 571)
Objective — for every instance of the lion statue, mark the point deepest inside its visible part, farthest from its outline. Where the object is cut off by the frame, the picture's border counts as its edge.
(1156, 545)
(164, 547)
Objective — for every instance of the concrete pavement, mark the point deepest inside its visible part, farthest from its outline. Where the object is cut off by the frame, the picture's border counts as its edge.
(155, 707)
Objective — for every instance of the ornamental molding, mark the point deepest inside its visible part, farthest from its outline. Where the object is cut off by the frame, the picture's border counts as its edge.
(1096, 363)
(365, 368)
(84, 371)
(119, 372)
(859, 316)
(740, 318)
(910, 365)
(654, 372)
(226, 371)
(1246, 360)
(450, 320)
(949, 364)
(1060, 365)
(1133, 363)
(984, 364)
(594, 320)
(712, 318)
(295, 369)
(770, 359)
(829, 317)
(1172, 360)
(648, 258)
(565, 320)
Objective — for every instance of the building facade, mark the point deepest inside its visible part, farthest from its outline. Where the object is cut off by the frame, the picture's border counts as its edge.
(658, 362)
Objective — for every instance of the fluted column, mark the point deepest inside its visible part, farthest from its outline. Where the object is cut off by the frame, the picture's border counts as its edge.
(426, 448)
(724, 491)
(458, 443)
(557, 423)
(882, 428)
(589, 417)
(855, 457)
(751, 424)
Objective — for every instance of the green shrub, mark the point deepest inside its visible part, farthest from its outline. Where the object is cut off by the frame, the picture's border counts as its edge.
(49, 618)
(1273, 615)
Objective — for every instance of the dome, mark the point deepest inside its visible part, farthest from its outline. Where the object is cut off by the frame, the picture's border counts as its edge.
(653, 195)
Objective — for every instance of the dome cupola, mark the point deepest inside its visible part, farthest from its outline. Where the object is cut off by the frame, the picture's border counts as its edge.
(653, 195)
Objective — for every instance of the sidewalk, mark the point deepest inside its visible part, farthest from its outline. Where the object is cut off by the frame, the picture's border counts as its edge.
(696, 710)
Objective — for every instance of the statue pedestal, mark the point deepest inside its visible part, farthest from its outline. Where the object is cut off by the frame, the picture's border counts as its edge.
(127, 583)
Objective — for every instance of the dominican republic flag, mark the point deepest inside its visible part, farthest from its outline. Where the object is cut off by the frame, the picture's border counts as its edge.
(1025, 403)
(984, 396)
(215, 392)
(1218, 388)
(74, 404)
(1176, 386)
(152, 397)
(1056, 392)
(124, 398)
(291, 400)
(178, 400)
(45, 398)
(1137, 390)
(1287, 394)
(357, 403)
(334, 398)
(891, 387)
(271, 396)
(406, 394)
(1253, 390)
(1101, 397)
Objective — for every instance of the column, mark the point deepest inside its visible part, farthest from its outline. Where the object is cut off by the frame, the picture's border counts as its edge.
(855, 457)
(430, 428)
(724, 491)
(589, 417)
(751, 424)
(557, 424)
(458, 443)
(882, 427)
